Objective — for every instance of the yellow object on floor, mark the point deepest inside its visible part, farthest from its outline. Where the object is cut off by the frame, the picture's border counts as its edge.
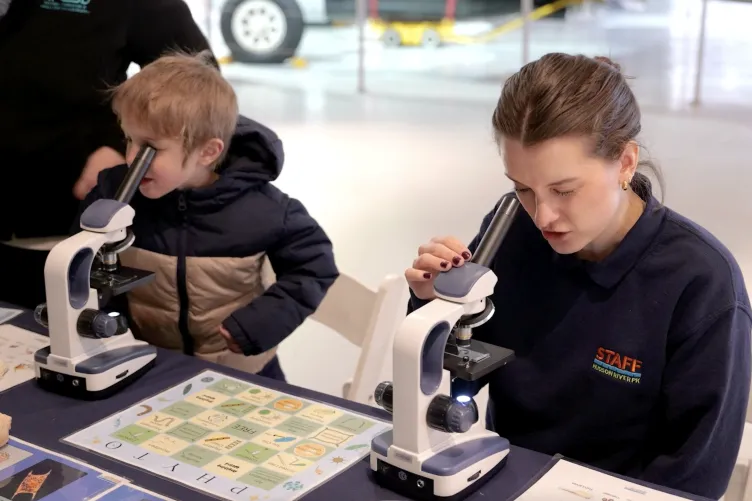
(434, 34)
(298, 62)
(423, 33)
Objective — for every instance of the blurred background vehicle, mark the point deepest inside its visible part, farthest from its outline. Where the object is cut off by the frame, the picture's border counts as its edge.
(270, 31)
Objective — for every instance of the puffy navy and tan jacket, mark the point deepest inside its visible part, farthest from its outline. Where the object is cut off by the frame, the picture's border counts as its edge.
(207, 247)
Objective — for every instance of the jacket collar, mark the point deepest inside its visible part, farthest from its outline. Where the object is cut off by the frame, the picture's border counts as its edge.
(611, 270)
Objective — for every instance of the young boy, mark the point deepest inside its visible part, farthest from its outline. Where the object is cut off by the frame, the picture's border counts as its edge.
(206, 219)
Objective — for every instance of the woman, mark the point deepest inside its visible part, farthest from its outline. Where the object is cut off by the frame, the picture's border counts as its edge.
(631, 324)
(57, 130)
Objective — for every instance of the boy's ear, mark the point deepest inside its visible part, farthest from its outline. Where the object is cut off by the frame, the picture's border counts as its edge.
(211, 151)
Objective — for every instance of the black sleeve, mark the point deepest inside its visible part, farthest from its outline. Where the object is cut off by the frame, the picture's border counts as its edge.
(304, 265)
(110, 134)
(160, 26)
(459, 386)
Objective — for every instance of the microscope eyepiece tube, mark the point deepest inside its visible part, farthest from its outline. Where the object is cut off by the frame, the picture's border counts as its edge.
(136, 173)
(497, 230)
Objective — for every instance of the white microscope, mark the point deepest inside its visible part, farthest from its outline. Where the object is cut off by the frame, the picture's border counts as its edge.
(92, 352)
(439, 447)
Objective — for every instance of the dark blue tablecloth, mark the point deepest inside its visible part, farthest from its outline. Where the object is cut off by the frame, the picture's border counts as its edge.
(44, 418)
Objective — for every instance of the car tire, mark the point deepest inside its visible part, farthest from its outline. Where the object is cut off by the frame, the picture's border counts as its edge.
(262, 31)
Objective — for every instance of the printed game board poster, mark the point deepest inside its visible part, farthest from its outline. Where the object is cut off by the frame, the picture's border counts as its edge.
(234, 440)
(30, 473)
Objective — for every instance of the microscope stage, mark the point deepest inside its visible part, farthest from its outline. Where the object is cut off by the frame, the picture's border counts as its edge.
(120, 281)
(474, 361)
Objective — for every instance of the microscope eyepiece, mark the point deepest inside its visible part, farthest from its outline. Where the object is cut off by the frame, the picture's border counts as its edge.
(136, 173)
(497, 230)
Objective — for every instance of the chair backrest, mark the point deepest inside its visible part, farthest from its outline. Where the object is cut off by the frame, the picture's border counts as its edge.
(369, 319)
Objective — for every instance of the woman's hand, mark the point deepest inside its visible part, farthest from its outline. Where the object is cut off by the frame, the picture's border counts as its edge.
(440, 254)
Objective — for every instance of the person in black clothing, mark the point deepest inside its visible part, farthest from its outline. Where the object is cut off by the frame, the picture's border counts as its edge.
(58, 130)
(630, 323)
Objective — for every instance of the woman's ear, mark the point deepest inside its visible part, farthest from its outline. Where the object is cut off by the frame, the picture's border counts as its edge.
(211, 151)
(629, 160)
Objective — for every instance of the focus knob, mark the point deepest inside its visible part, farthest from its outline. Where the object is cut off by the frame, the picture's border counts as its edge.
(384, 395)
(96, 324)
(40, 315)
(448, 415)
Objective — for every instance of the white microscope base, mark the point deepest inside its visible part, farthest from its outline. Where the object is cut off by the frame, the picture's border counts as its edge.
(95, 377)
(417, 480)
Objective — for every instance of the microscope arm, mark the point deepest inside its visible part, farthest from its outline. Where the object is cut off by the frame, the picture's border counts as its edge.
(105, 226)
(425, 331)
(474, 280)
(92, 352)
(420, 358)
(125, 193)
(68, 294)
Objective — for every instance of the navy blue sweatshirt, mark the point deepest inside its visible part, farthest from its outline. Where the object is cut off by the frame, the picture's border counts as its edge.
(638, 364)
(211, 231)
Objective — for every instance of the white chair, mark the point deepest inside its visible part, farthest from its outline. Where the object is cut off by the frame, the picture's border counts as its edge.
(369, 319)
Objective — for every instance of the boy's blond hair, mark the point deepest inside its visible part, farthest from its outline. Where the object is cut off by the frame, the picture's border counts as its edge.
(180, 96)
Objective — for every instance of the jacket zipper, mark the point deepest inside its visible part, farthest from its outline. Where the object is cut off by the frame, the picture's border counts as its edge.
(181, 278)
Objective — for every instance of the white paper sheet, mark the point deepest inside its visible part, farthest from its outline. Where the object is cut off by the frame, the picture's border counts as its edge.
(567, 481)
(8, 314)
(17, 348)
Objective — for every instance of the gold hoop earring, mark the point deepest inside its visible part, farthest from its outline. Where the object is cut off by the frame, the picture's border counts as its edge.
(625, 185)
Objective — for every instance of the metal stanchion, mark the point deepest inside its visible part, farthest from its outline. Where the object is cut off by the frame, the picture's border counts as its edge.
(587, 10)
(208, 20)
(700, 54)
(361, 15)
(526, 7)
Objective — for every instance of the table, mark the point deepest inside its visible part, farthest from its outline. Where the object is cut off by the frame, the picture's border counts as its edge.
(44, 418)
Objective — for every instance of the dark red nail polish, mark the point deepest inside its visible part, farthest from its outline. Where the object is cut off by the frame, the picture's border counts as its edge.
(456, 260)
(466, 255)
(444, 264)
(426, 276)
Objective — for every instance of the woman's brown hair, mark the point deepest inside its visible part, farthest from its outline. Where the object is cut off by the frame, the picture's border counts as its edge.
(563, 95)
